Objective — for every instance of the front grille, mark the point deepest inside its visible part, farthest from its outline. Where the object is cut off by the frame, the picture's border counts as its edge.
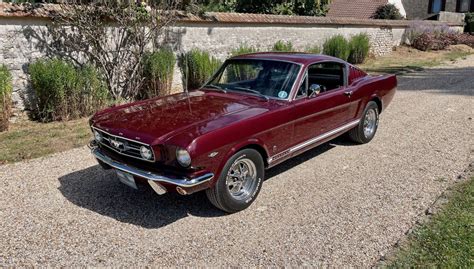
(124, 146)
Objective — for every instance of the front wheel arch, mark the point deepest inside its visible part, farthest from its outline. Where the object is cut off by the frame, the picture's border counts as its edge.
(248, 144)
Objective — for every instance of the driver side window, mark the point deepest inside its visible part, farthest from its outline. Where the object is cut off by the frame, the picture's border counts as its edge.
(328, 75)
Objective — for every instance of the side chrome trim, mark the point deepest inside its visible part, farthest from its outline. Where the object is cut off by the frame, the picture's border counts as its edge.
(315, 140)
(182, 182)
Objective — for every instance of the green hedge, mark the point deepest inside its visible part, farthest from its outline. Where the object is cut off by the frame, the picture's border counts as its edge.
(5, 97)
(197, 67)
(159, 69)
(337, 46)
(359, 48)
(64, 92)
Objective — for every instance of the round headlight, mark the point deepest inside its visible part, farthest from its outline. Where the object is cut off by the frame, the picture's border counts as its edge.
(97, 136)
(183, 157)
(145, 152)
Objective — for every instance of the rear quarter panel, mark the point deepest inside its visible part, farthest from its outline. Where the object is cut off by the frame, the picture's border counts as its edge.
(382, 87)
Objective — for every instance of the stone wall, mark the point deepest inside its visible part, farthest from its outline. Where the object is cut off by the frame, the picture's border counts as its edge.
(217, 33)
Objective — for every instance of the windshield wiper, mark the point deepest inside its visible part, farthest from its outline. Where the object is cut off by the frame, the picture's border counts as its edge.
(215, 87)
(252, 91)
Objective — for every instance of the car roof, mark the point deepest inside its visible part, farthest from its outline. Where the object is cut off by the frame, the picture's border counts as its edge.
(295, 57)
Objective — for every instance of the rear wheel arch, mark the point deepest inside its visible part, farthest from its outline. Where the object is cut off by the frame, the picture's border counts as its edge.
(378, 101)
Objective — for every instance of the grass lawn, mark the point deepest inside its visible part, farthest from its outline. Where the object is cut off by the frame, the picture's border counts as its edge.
(447, 240)
(406, 59)
(28, 139)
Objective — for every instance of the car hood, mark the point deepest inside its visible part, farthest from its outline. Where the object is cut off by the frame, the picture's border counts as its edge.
(156, 120)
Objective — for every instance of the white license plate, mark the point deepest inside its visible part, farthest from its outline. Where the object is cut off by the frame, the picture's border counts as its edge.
(126, 179)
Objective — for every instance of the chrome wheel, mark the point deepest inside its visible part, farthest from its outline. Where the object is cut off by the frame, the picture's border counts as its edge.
(241, 179)
(370, 123)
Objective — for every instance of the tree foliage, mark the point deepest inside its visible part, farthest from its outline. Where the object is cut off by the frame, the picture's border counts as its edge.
(387, 12)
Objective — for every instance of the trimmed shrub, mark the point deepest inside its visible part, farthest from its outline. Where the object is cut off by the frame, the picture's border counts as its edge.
(387, 12)
(418, 28)
(283, 46)
(5, 97)
(313, 49)
(466, 39)
(359, 48)
(429, 41)
(197, 67)
(243, 49)
(64, 92)
(158, 71)
(337, 46)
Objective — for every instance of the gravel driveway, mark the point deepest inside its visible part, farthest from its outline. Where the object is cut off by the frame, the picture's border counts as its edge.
(339, 204)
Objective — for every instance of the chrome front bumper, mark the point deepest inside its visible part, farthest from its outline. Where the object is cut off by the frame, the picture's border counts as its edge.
(180, 182)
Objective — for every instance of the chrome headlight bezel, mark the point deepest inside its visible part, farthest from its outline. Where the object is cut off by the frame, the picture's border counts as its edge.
(97, 136)
(146, 153)
(183, 157)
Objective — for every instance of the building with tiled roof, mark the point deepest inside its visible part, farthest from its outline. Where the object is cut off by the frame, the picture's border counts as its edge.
(360, 9)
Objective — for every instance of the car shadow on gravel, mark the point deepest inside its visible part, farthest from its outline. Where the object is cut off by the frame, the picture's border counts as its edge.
(100, 191)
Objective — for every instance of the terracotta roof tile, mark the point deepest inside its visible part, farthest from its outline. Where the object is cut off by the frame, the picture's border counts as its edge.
(47, 10)
(361, 9)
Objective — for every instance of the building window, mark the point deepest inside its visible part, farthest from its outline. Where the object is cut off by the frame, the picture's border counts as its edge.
(436, 6)
(465, 6)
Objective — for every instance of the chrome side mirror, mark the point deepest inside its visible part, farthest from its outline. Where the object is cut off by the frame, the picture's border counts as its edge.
(314, 90)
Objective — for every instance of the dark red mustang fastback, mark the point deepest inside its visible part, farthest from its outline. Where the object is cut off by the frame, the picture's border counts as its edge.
(257, 111)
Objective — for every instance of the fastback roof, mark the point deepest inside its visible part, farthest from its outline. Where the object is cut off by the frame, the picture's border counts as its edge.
(297, 57)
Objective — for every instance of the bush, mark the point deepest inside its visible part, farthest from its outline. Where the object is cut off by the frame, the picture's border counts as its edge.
(469, 19)
(283, 46)
(359, 48)
(159, 69)
(337, 46)
(64, 92)
(243, 49)
(5, 97)
(387, 12)
(418, 28)
(466, 39)
(313, 49)
(197, 67)
(429, 41)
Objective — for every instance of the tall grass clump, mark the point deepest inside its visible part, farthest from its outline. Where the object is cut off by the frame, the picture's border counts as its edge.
(197, 67)
(337, 46)
(6, 89)
(359, 48)
(243, 49)
(315, 49)
(158, 71)
(283, 46)
(64, 92)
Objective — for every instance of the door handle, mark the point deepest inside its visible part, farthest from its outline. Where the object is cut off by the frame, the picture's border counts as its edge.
(348, 94)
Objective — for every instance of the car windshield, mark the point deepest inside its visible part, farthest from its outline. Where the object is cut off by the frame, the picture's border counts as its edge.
(267, 78)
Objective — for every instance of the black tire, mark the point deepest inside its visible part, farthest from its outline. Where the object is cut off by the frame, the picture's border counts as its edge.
(221, 194)
(357, 134)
